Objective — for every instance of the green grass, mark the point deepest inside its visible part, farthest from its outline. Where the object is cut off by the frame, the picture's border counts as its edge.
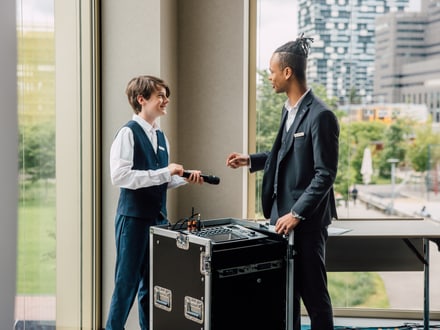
(36, 261)
(357, 289)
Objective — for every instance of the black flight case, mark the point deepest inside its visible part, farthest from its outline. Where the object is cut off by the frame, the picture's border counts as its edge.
(220, 274)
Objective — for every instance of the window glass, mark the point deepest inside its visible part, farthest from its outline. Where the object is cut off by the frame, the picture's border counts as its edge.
(35, 298)
(374, 64)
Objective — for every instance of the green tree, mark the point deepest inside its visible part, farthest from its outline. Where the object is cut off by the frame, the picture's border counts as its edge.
(37, 151)
(354, 97)
(418, 151)
(364, 134)
(396, 137)
(344, 177)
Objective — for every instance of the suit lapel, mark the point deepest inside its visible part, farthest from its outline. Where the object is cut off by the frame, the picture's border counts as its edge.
(303, 109)
(279, 137)
(300, 115)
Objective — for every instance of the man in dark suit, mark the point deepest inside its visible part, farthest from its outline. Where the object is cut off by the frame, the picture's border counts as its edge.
(299, 172)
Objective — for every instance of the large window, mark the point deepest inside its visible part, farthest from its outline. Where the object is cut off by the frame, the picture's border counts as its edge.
(362, 64)
(36, 263)
(58, 254)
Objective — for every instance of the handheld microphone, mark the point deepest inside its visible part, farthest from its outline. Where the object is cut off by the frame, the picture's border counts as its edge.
(211, 179)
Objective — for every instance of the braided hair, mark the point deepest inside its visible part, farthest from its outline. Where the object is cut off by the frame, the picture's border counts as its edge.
(294, 54)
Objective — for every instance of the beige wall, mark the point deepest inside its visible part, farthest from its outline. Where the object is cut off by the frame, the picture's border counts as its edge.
(212, 101)
(200, 48)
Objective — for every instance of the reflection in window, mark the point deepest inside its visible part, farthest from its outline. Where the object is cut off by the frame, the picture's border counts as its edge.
(386, 97)
(35, 299)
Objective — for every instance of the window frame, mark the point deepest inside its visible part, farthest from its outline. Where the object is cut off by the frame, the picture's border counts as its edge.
(78, 164)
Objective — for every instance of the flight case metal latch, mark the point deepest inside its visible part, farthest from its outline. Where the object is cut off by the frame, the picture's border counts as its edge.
(182, 241)
(205, 263)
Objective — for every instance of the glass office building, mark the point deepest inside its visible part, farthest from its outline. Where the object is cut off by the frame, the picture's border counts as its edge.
(407, 61)
(344, 33)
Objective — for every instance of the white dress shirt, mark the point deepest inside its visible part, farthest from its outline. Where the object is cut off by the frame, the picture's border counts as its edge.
(292, 110)
(121, 161)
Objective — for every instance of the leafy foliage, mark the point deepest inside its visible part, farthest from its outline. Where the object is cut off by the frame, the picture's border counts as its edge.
(363, 135)
(355, 290)
(395, 148)
(419, 151)
(37, 151)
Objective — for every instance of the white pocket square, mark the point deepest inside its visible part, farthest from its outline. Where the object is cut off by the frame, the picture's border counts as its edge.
(299, 134)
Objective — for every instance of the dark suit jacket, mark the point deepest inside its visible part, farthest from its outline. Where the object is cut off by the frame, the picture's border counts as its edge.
(307, 167)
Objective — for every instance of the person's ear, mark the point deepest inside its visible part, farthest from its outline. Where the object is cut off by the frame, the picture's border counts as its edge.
(140, 99)
(288, 72)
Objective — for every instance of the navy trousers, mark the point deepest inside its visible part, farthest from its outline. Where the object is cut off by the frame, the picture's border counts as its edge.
(131, 272)
(310, 280)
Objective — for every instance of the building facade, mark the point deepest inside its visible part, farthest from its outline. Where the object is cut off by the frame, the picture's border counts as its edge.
(344, 53)
(407, 61)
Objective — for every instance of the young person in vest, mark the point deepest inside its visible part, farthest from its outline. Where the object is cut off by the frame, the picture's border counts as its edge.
(139, 165)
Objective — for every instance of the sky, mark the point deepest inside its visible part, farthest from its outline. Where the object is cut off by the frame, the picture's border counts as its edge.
(35, 12)
(277, 24)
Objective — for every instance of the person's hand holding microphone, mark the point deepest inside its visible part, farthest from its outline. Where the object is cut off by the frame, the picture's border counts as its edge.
(193, 176)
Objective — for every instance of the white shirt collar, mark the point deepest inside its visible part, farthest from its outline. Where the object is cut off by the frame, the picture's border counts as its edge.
(147, 127)
(289, 107)
(291, 111)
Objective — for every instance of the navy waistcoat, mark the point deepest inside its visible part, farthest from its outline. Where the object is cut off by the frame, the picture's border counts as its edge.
(150, 202)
